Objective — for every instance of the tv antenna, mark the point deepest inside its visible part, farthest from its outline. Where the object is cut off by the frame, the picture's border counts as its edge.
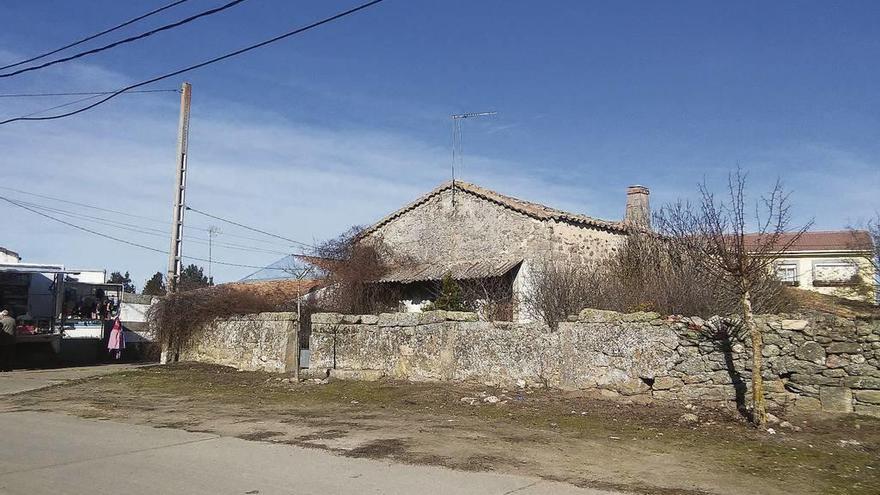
(457, 149)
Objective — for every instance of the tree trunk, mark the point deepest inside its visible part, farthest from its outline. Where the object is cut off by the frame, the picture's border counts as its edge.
(759, 410)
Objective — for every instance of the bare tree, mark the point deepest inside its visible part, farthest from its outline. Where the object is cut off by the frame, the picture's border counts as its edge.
(716, 232)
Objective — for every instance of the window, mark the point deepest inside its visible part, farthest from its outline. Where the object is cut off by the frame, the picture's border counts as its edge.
(835, 273)
(787, 273)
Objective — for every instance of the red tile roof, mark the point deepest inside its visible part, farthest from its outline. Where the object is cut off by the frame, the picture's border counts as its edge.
(834, 240)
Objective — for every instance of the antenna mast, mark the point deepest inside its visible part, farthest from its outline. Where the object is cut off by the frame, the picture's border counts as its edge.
(457, 150)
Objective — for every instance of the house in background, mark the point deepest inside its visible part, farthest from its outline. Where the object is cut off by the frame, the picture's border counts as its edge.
(7, 256)
(488, 239)
(837, 263)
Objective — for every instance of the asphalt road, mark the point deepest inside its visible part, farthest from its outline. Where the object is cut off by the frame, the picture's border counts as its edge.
(47, 453)
(17, 381)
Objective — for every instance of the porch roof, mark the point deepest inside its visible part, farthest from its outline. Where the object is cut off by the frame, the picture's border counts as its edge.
(460, 270)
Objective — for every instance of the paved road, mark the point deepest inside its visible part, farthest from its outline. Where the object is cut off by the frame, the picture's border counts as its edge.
(47, 453)
(23, 380)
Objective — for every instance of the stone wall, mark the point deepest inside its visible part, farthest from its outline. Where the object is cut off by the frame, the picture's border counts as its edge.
(812, 361)
(258, 342)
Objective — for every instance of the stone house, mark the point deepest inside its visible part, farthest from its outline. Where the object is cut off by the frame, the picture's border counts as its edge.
(837, 263)
(480, 236)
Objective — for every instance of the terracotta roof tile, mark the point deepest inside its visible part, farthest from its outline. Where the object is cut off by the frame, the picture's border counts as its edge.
(835, 240)
(534, 210)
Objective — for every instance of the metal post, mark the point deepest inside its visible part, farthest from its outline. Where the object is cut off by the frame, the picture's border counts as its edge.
(175, 252)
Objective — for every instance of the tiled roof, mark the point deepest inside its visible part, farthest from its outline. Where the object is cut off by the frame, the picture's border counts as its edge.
(534, 210)
(834, 240)
(460, 270)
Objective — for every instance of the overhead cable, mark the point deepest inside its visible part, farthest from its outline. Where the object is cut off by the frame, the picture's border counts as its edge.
(202, 64)
(96, 35)
(125, 40)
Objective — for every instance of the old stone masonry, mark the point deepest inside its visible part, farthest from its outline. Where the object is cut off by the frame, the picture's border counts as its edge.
(812, 360)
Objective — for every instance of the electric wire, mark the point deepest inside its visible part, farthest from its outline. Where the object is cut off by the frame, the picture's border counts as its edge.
(125, 40)
(139, 229)
(248, 228)
(130, 243)
(132, 215)
(83, 93)
(202, 64)
(96, 35)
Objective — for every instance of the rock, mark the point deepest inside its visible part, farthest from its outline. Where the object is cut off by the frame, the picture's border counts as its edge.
(521, 383)
(355, 402)
(351, 319)
(836, 399)
(325, 381)
(812, 352)
(869, 396)
(844, 348)
(688, 418)
(772, 419)
(461, 316)
(807, 404)
(597, 316)
(469, 400)
(369, 319)
(491, 400)
(836, 361)
(770, 350)
(285, 380)
(867, 409)
(639, 316)
(327, 318)
(794, 324)
(771, 431)
(787, 425)
(862, 382)
(667, 383)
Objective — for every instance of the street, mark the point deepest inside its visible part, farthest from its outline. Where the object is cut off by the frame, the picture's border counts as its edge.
(46, 453)
(24, 380)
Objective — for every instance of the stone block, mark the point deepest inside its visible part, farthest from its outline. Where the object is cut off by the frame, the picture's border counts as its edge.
(369, 319)
(868, 410)
(351, 319)
(843, 348)
(862, 382)
(797, 325)
(868, 396)
(812, 352)
(428, 317)
(807, 404)
(327, 318)
(598, 316)
(667, 383)
(461, 316)
(836, 399)
(639, 316)
(398, 319)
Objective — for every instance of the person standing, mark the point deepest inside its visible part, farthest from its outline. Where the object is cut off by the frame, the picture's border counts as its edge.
(7, 341)
(117, 340)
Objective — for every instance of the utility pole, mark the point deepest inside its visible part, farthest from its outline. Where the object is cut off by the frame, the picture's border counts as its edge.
(175, 252)
(212, 231)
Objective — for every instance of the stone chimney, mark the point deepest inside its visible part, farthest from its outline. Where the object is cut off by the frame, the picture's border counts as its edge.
(638, 209)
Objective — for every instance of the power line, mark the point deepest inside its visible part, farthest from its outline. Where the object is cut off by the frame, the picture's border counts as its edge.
(202, 64)
(125, 241)
(83, 93)
(147, 230)
(247, 227)
(132, 215)
(126, 40)
(74, 102)
(91, 37)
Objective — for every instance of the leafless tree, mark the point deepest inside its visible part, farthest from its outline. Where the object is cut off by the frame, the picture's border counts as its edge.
(716, 233)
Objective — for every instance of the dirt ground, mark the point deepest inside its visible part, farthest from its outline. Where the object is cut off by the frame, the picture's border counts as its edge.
(582, 440)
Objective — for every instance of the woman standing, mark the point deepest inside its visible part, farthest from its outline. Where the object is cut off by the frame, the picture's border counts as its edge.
(117, 340)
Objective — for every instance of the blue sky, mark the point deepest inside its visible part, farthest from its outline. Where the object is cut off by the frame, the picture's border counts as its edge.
(350, 121)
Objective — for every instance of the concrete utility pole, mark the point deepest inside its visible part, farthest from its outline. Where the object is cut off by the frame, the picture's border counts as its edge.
(212, 231)
(175, 252)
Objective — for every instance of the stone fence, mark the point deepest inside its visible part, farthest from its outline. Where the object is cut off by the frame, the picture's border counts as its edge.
(258, 342)
(812, 361)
